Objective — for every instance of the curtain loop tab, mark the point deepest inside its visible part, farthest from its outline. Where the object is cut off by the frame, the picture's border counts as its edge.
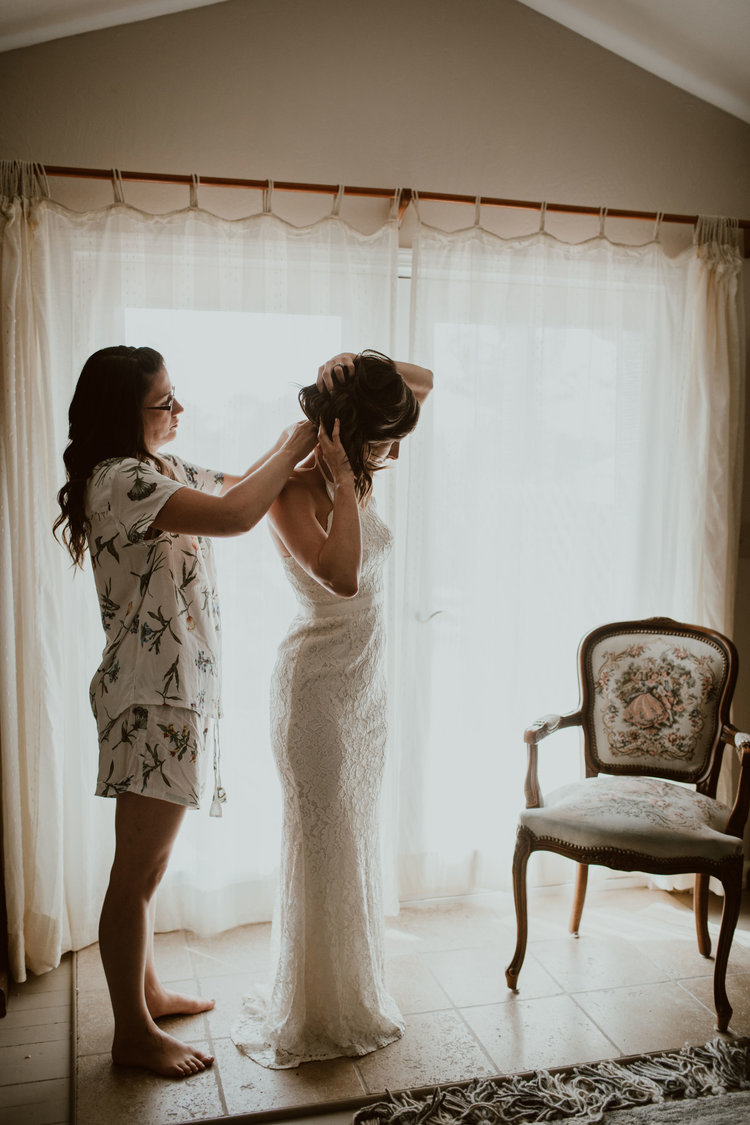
(718, 239)
(602, 220)
(117, 186)
(267, 195)
(393, 211)
(40, 177)
(478, 211)
(24, 179)
(194, 185)
(415, 203)
(336, 208)
(657, 226)
(542, 217)
(705, 230)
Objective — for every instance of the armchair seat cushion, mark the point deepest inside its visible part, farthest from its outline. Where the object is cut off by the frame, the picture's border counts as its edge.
(645, 815)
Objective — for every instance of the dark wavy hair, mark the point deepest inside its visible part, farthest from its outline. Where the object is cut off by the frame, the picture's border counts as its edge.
(374, 405)
(105, 420)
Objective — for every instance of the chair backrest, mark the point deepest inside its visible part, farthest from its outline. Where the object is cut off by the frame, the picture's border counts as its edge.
(654, 697)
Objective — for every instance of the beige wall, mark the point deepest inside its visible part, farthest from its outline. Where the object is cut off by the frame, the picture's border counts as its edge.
(475, 96)
(451, 95)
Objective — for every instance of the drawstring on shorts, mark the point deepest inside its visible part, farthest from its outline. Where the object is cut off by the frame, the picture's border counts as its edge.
(220, 794)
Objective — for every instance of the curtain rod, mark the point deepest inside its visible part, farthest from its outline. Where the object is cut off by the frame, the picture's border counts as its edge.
(407, 194)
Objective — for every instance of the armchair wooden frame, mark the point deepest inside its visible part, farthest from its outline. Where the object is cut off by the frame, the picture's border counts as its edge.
(727, 871)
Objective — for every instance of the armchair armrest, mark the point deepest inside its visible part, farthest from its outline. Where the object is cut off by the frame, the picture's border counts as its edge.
(734, 737)
(533, 735)
(738, 816)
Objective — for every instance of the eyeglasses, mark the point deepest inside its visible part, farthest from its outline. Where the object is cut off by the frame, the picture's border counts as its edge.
(166, 405)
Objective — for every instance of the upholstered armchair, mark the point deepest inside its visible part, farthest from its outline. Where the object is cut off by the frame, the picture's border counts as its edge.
(654, 711)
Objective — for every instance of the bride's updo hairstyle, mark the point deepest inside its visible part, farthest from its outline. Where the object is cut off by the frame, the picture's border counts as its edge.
(373, 405)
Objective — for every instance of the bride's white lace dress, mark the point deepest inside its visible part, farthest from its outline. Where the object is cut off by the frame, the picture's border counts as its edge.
(329, 730)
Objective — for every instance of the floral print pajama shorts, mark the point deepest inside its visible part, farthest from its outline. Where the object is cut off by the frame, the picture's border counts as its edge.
(158, 751)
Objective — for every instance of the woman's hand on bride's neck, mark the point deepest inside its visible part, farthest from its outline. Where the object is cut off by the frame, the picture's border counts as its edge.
(333, 456)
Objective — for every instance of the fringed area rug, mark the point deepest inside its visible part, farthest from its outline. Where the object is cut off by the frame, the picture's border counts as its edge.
(595, 1093)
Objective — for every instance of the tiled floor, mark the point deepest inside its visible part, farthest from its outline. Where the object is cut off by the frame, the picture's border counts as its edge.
(36, 1050)
(634, 981)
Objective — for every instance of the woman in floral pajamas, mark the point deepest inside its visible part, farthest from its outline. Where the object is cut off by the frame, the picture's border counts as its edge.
(156, 694)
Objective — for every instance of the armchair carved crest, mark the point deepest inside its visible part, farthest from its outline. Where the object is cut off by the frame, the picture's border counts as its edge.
(654, 712)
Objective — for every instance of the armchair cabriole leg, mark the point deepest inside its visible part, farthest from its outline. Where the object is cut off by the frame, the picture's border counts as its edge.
(732, 883)
(520, 859)
(582, 878)
(700, 907)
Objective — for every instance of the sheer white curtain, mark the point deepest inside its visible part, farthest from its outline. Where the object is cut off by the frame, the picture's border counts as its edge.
(243, 312)
(579, 463)
(32, 711)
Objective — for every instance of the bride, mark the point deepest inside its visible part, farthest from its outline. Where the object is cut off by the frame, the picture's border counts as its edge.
(328, 724)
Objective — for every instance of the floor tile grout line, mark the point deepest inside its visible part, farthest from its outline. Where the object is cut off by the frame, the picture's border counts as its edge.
(449, 1007)
(216, 1070)
(209, 1034)
(444, 991)
(358, 1072)
(572, 996)
(549, 973)
(483, 1048)
(681, 982)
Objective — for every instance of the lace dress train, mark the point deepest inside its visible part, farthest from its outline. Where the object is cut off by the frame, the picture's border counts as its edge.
(329, 730)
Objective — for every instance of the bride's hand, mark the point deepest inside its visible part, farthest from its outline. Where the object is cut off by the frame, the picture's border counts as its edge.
(334, 454)
(336, 370)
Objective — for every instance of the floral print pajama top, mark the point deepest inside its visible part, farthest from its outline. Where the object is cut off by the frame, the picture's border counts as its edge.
(156, 693)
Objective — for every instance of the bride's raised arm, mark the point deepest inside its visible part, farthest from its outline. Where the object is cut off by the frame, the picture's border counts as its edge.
(332, 557)
(341, 367)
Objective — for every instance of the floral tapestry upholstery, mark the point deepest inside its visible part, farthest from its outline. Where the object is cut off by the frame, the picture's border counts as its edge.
(655, 701)
(646, 815)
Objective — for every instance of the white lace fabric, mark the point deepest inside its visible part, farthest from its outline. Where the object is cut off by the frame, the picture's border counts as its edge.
(328, 719)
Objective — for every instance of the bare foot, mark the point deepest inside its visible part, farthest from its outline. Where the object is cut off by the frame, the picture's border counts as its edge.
(162, 1003)
(161, 1053)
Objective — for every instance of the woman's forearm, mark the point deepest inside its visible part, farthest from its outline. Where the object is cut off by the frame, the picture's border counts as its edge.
(240, 507)
(418, 379)
(231, 480)
(340, 557)
(249, 500)
(266, 457)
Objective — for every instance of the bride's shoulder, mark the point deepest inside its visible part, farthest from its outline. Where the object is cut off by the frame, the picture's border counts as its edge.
(303, 488)
(305, 478)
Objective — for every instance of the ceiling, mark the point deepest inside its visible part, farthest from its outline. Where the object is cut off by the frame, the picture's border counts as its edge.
(702, 46)
(23, 22)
